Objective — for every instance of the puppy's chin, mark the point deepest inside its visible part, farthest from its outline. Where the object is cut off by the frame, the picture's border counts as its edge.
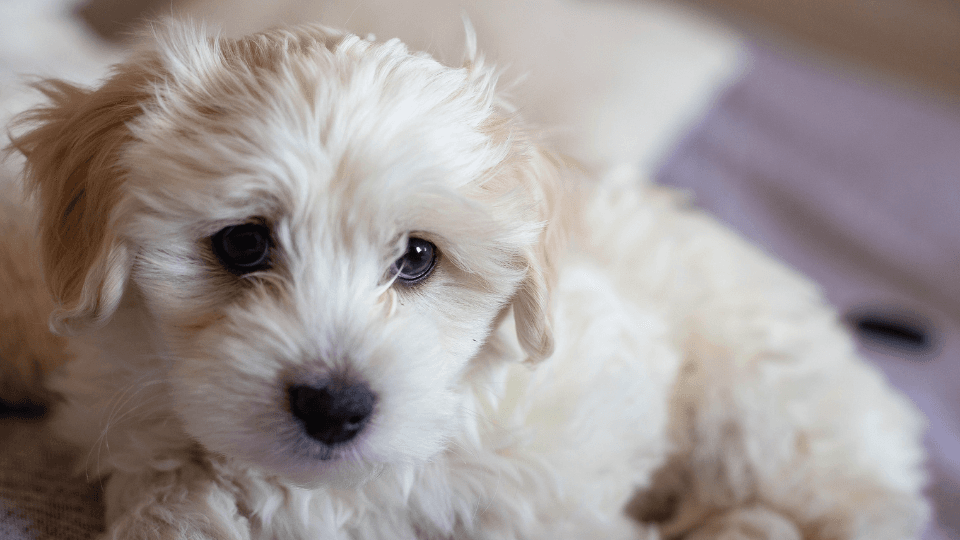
(348, 468)
(289, 454)
(336, 473)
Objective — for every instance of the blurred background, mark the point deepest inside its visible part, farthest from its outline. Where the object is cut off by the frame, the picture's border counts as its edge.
(828, 131)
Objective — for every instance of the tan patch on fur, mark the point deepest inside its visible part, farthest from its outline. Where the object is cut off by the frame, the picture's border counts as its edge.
(28, 350)
(72, 170)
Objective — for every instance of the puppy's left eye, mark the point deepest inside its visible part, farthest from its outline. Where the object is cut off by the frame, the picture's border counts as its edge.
(417, 263)
(242, 249)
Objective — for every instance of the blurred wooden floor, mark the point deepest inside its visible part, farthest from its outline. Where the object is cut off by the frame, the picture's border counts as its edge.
(916, 41)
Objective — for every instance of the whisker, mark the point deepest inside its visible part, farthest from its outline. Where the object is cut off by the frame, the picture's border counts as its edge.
(119, 411)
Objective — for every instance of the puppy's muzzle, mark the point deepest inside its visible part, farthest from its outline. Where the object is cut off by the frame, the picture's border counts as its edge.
(332, 412)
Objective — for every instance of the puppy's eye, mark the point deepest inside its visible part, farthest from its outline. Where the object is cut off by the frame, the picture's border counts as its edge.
(242, 249)
(417, 263)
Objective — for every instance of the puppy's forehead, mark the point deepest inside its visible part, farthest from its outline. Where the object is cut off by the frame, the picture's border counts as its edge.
(287, 119)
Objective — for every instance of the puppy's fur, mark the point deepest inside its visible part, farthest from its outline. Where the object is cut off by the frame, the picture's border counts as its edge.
(652, 377)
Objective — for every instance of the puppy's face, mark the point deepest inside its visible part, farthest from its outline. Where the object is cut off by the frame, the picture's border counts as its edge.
(323, 229)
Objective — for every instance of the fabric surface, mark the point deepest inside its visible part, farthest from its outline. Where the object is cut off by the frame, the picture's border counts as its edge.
(857, 185)
(40, 497)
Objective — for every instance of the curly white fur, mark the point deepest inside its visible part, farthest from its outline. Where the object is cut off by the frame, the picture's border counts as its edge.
(654, 377)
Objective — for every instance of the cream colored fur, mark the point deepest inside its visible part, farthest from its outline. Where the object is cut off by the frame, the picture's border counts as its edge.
(590, 359)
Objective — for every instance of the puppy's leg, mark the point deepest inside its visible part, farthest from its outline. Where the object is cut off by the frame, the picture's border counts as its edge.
(777, 448)
(773, 409)
(672, 502)
(747, 523)
(28, 350)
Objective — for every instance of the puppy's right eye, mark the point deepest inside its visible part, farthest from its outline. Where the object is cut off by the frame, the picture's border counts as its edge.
(417, 262)
(242, 249)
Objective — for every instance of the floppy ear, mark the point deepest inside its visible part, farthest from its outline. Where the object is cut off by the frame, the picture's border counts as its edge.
(531, 303)
(72, 150)
(538, 175)
(531, 311)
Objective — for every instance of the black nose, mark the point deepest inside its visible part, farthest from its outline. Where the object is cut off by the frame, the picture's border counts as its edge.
(333, 412)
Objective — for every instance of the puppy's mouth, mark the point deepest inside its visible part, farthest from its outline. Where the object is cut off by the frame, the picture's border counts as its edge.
(333, 413)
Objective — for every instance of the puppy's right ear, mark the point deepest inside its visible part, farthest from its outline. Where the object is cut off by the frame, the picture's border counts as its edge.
(72, 146)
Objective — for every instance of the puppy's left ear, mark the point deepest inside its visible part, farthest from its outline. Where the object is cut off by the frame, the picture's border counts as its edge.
(538, 174)
(72, 150)
(531, 303)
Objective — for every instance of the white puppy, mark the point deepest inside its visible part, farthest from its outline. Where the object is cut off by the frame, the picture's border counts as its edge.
(323, 292)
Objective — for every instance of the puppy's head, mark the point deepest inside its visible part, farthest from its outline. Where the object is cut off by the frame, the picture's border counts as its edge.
(323, 230)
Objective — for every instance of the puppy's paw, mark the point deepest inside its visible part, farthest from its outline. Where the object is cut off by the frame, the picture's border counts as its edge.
(183, 503)
(161, 522)
(168, 528)
(748, 523)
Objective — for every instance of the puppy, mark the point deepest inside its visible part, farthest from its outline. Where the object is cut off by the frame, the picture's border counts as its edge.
(324, 287)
